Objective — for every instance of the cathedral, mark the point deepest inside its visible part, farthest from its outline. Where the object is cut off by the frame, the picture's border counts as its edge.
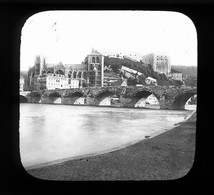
(90, 73)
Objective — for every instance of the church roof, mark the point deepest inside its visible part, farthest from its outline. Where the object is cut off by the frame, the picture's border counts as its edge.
(75, 66)
(69, 66)
(95, 52)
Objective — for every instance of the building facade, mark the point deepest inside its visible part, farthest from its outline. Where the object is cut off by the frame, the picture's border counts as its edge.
(128, 72)
(49, 76)
(57, 81)
(151, 81)
(95, 68)
(159, 62)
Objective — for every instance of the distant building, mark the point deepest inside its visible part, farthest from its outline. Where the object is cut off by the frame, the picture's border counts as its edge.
(47, 76)
(21, 83)
(176, 75)
(151, 81)
(113, 55)
(128, 72)
(133, 58)
(95, 68)
(159, 62)
(54, 81)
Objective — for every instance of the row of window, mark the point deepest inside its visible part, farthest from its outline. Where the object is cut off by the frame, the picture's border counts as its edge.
(79, 75)
(95, 61)
(75, 74)
(58, 84)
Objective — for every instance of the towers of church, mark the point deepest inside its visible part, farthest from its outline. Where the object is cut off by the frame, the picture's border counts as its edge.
(95, 69)
(37, 65)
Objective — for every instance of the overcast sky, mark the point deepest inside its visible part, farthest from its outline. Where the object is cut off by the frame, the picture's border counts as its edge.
(68, 36)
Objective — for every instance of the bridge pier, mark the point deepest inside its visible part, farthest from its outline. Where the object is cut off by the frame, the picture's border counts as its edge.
(165, 104)
(69, 100)
(32, 99)
(90, 101)
(126, 102)
(48, 100)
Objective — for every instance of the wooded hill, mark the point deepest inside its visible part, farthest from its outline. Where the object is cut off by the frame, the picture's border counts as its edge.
(190, 71)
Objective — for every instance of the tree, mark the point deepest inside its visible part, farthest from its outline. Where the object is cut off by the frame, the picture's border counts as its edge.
(132, 81)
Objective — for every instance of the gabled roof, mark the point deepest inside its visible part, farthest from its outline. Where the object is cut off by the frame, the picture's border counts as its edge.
(94, 52)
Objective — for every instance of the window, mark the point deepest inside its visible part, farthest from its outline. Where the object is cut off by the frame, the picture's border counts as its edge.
(85, 75)
(99, 67)
(79, 74)
(97, 60)
(91, 67)
(93, 59)
(74, 74)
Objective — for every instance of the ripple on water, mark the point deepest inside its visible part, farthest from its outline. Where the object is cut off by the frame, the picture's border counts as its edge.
(52, 132)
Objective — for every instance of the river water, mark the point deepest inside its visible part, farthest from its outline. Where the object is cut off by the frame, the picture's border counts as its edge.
(53, 132)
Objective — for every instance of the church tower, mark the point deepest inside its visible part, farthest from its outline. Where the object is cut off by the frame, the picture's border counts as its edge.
(95, 69)
(37, 65)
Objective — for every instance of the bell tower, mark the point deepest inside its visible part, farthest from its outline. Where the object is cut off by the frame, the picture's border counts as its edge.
(37, 65)
(95, 69)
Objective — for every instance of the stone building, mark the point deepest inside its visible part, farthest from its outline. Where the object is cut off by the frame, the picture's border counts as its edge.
(128, 72)
(95, 68)
(159, 62)
(59, 81)
(176, 75)
(151, 81)
(47, 76)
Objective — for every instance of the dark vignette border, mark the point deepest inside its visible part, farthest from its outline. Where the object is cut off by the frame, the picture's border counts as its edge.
(16, 180)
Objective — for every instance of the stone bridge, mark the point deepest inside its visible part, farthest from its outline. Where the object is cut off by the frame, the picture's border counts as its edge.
(169, 97)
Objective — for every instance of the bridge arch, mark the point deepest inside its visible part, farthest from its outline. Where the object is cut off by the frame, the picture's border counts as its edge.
(23, 99)
(144, 98)
(76, 97)
(55, 98)
(181, 99)
(103, 98)
(33, 97)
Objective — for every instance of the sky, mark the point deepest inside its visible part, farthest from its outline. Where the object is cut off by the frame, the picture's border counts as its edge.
(68, 36)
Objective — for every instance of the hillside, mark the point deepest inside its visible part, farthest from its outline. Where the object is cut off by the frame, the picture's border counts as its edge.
(190, 71)
(115, 64)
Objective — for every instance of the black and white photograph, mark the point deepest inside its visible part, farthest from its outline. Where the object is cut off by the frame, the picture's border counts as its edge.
(108, 95)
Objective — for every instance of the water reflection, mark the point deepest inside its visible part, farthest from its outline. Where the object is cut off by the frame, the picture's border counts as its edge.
(51, 132)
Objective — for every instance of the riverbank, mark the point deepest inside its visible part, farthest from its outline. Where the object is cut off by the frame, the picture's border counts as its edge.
(169, 155)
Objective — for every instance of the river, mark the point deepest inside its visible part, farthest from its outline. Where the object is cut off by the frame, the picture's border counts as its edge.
(53, 132)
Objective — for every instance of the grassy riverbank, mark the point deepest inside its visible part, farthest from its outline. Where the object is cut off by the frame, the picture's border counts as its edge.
(166, 156)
